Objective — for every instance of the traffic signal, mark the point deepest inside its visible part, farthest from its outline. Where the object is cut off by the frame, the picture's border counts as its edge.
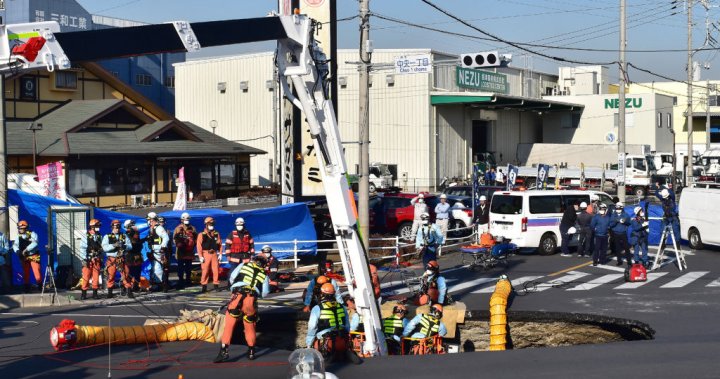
(484, 59)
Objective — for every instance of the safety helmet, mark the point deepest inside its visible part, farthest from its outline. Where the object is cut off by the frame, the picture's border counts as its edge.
(594, 197)
(603, 206)
(399, 308)
(115, 222)
(185, 216)
(637, 210)
(373, 269)
(619, 205)
(93, 222)
(436, 311)
(443, 196)
(128, 223)
(424, 216)
(664, 193)
(266, 249)
(239, 221)
(23, 224)
(433, 265)
(483, 198)
(152, 216)
(260, 259)
(327, 289)
(421, 196)
(583, 205)
(322, 279)
(209, 220)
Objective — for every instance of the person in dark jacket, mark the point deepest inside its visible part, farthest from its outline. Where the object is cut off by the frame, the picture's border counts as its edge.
(482, 215)
(600, 226)
(639, 236)
(584, 231)
(619, 223)
(568, 221)
(670, 214)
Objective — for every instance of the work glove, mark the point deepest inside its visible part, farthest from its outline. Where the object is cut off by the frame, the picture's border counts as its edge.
(645, 224)
(622, 220)
(118, 244)
(202, 260)
(306, 309)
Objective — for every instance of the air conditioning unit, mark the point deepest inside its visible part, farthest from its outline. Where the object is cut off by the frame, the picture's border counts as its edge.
(137, 200)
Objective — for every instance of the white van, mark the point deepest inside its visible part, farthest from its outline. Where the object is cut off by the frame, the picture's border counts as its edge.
(532, 218)
(698, 209)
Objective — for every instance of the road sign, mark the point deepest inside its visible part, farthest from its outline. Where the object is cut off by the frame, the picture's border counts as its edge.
(413, 64)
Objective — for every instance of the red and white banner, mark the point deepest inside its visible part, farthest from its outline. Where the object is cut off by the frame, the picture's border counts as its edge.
(181, 199)
(52, 179)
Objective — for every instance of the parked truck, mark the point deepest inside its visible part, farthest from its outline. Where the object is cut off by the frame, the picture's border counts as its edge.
(380, 177)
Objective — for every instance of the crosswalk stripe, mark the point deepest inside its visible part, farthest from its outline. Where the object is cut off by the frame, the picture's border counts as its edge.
(596, 282)
(685, 279)
(572, 276)
(515, 282)
(612, 267)
(650, 277)
(472, 283)
(714, 283)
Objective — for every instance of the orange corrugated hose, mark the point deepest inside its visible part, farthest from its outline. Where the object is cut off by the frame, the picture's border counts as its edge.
(124, 335)
(498, 314)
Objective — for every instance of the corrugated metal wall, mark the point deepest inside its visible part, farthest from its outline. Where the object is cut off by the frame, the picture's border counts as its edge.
(454, 140)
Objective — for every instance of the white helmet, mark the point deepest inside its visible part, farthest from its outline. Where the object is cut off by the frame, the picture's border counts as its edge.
(583, 205)
(421, 196)
(152, 216)
(128, 223)
(185, 216)
(619, 205)
(266, 249)
(664, 193)
(594, 197)
(443, 196)
(425, 216)
(239, 221)
(637, 209)
(482, 197)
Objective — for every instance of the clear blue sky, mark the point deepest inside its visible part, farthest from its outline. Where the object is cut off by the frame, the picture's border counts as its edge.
(567, 23)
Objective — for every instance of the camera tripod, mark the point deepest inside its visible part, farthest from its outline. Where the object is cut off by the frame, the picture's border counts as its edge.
(48, 275)
(679, 254)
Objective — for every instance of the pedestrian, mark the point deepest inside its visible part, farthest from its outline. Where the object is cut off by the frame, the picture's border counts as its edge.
(428, 239)
(600, 225)
(239, 244)
(490, 177)
(442, 215)
(5, 265)
(90, 254)
(670, 214)
(419, 207)
(482, 215)
(499, 178)
(157, 241)
(184, 237)
(26, 248)
(619, 223)
(584, 231)
(568, 220)
(248, 283)
(639, 236)
(209, 249)
(115, 245)
(134, 260)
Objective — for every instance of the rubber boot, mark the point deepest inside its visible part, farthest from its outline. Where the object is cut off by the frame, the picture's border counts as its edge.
(110, 293)
(251, 352)
(204, 289)
(83, 295)
(130, 294)
(217, 288)
(123, 291)
(95, 294)
(223, 355)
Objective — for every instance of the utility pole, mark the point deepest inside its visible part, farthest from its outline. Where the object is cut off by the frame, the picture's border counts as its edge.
(688, 169)
(4, 206)
(364, 124)
(707, 116)
(621, 108)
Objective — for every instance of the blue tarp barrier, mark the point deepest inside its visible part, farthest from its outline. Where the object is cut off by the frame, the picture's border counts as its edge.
(283, 223)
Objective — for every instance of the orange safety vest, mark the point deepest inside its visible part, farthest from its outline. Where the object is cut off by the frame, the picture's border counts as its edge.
(240, 243)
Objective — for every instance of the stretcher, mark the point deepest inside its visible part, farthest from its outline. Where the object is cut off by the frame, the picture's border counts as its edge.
(487, 257)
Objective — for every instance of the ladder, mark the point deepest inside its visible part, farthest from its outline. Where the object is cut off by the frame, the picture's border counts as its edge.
(660, 256)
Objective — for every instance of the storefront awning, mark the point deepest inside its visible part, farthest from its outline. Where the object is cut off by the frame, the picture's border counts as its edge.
(703, 115)
(496, 101)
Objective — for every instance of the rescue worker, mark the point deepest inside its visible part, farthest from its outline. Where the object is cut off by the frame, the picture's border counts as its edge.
(600, 226)
(26, 248)
(271, 269)
(328, 316)
(157, 240)
(356, 324)
(419, 208)
(434, 286)
(167, 252)
(428, 238)
(584, 231)
(248, 282)
(184, 237)
(482, 215)
(568, 220)
(312, 293)
(5, 265)
(209, 249)
(442, 215)
(619, 223)
(592, 209)
(239, 244)
(670, 214)
(134, 258)
(393, 328)
(639, 236)
(115, 245)
(426, 325)
(90, 250)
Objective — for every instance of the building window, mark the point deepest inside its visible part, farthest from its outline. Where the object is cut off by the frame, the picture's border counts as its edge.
(82, 182)
(66, 80)
(669, 120)
(570, 120)
(713, 100)
(206, 178)
(226, 174)
(112, 181)
(138, 179)
(244, 173)
(115, 74)
(143, 80)
(659, 119)
(170, 81)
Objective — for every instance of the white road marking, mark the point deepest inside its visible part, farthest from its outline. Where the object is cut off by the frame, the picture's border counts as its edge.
(685, 279)
(514, 282)
(472, 283)
(650, 277)
(152, 317)
(714, 283)
(611, 267)
(572, 276)
(596, 282)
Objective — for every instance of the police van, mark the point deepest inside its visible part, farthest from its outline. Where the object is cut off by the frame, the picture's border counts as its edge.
(532, 218)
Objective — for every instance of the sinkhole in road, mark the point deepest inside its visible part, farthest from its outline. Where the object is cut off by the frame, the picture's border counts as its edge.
(526, 329)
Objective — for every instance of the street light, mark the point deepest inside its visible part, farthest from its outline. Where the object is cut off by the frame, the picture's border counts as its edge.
(213, 125)
(35, 127)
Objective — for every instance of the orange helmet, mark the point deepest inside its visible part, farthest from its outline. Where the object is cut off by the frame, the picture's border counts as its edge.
(94, 222)
(327, 289)
(400, 308)
(433, 265)
(209, 220)
(373, 270)
(22, 224)
(436, 310)
(115, 222)
(322, 279)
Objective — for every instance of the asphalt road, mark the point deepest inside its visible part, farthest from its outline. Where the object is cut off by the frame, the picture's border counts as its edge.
(681, 306)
